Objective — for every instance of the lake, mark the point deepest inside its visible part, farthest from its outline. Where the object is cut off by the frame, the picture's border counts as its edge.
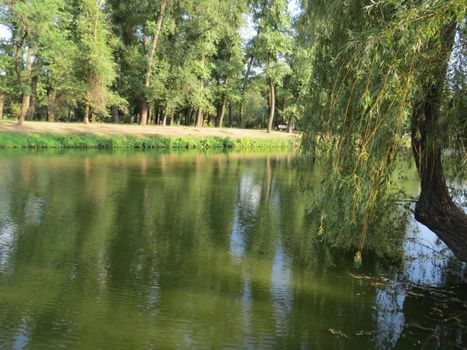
(189, 250)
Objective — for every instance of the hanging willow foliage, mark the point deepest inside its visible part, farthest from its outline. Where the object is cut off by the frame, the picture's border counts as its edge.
(374, 63)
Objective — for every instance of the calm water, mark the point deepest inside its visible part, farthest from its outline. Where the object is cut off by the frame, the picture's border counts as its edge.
(191, 251)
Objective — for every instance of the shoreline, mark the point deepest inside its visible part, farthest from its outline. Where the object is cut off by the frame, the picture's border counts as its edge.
(113, 136)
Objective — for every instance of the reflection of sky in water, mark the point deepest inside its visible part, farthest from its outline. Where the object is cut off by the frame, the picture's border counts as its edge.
(237, 238)
(390, 316)
(281, 274)
(426, 256)
(250, 192)
(248, 202)
(7, 229)
(281, 279)
(7, 236)
(33, 210)
(426, 260)
(21, 338)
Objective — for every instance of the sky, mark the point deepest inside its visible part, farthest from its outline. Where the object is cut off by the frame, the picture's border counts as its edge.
(4, 32)
(247, 31)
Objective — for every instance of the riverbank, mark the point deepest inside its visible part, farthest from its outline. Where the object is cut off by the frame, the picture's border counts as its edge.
(78, 135)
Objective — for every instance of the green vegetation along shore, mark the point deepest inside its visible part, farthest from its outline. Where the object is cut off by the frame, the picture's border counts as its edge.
(76, 135)
(8, 140)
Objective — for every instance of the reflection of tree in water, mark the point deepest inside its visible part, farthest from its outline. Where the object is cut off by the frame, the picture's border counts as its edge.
(343, 220)
(389, 317)
(281, 289)
(421, 300)
(216, 248)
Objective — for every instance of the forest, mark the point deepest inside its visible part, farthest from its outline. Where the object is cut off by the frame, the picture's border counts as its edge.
(153, 62)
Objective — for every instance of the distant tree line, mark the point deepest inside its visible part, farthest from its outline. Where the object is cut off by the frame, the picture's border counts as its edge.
(160, 62)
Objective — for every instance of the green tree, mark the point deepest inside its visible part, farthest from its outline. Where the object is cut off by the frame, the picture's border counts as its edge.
(150, 58)
(96, 63)
(377, 67)
(6, 62)
(272, 44)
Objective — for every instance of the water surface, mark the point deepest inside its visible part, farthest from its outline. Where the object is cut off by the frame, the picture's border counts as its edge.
(186, 250)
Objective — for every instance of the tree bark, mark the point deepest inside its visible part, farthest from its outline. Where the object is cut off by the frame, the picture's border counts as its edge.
(230, 115)
(240, 114)
(115, 116)
(242, 90)
(2, 101)
(272, 105)
(26, 94)
(199, 118)
(51, 105)
(435, 207)
(32, 105)
(171, 120)
(164, 118)
(291, 125)
(222, 112)
(86, 114)
(147, 80)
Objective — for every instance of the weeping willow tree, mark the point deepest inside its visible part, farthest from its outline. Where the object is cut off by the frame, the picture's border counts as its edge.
(382, 69)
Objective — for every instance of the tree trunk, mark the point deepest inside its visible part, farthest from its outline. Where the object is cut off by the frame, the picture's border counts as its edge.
(24, 108)
(32, 105)
(222, 112)
(282, 109)
(272, 105)
(291, 125)
(51, 105)
(27, 93)
(242, 119)
(86, 114)
(150, 115)
(147, 80)
(171, 120)
(143, 118)
(199, 118)
(435, 207)
(157, 115)
(2, 101)
(243, 87)
(164, 118)
(230, 115)
(115, 116)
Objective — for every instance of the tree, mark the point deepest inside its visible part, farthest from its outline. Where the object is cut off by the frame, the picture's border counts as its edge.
(42, 48)
(378, 65)
(96, 62)
(228, 59)
(272, 44)
(150, 58)
(6, 64)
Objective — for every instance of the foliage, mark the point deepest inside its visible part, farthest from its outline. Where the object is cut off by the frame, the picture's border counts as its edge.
(372, 63)
(8, 140)
(96, 63)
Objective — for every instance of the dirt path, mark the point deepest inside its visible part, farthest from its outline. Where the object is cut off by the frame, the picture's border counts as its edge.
(120, 129)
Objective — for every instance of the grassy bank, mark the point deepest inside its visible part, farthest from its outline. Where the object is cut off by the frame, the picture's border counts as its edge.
(84, 141)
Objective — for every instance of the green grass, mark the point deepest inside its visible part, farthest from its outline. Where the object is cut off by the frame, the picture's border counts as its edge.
(35, 141)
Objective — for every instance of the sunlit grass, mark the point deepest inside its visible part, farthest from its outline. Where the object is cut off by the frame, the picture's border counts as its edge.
(35, 141)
